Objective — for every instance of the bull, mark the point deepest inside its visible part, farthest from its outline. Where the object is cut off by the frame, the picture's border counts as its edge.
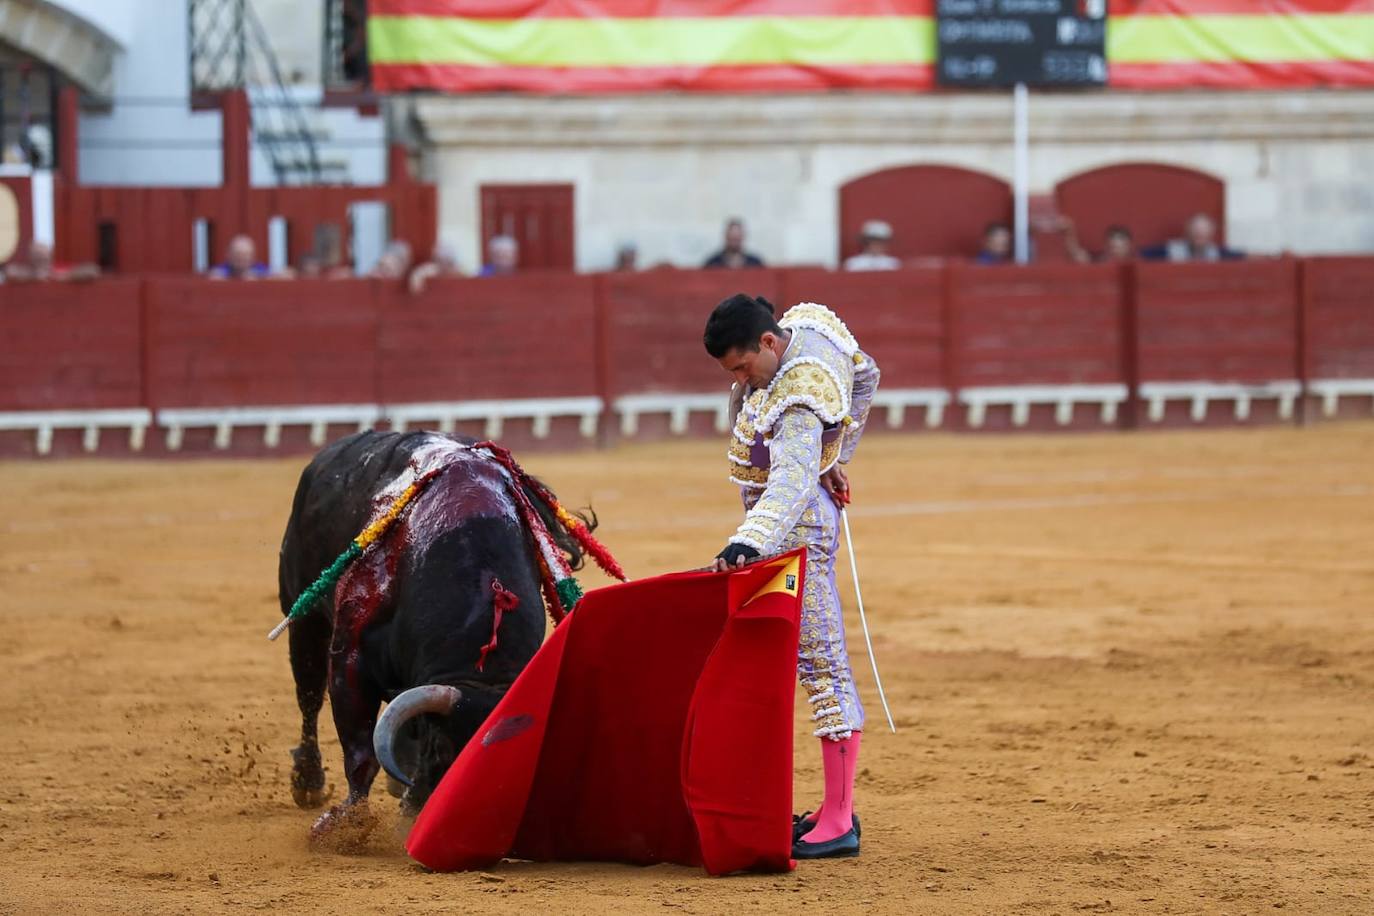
(410, 619)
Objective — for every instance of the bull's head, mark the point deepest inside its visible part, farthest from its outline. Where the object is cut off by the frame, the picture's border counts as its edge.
(418, 756)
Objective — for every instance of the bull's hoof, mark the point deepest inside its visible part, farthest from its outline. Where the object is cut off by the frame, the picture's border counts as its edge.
(394, 787)
(307, 777)
(309, 799)
(344, 828)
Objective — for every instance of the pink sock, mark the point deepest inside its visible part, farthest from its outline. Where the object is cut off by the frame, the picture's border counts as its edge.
(839, 760)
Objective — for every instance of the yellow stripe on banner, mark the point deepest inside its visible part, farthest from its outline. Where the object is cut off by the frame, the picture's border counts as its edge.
(1257, 39)
(604, 42)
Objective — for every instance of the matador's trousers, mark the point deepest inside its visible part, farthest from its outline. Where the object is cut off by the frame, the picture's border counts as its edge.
(822, 656)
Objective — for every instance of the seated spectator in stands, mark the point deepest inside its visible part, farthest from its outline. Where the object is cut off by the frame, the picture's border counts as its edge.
(332, 249)
(627, 258)
(1117, 244)
(874, 239)
(1199, 243)
(394, 262)
(503, 256)
(996, 245)
(38, 267)
(733, 256)
(310, 267)
(240, 262)
(443, 262)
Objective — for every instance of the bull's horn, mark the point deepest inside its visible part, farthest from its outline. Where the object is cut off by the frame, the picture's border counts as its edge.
(436, 698)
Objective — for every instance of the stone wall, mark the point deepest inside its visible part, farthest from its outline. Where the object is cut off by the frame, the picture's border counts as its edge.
(666, 171)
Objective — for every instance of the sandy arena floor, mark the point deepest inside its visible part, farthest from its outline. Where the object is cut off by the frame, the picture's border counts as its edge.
(1132, 673)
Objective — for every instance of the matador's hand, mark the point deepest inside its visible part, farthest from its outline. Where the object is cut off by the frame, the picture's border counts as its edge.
(734, 556)
(836, 482)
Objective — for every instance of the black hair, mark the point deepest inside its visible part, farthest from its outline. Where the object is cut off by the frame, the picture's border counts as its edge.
(990, 228)
(1117, 229)
(738, 323)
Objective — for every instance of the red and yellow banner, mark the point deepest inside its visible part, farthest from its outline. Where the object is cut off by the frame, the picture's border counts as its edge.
(589, 46)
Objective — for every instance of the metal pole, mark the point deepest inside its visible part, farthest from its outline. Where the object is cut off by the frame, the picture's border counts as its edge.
(241, 57)
(1021, 141)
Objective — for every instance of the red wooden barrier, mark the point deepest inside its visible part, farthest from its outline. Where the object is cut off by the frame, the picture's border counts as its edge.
(1340, 330)
(527, 336)
(220, 344)
(530, 337)
(70, 346)
(653, 323)
(1338, 334)
(1224, 322)
(152, 227)
(1013, 346)
(1056, 328)
(1035, 325)
(650, 327)
(897, 317)
(1204, 329)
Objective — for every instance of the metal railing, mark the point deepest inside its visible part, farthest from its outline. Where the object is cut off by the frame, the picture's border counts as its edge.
(345, 45)
(229, 50)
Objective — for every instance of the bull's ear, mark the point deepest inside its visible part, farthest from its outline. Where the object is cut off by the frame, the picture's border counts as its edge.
(431, 698)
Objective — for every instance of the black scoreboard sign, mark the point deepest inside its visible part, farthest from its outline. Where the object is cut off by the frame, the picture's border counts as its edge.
(1046, 43)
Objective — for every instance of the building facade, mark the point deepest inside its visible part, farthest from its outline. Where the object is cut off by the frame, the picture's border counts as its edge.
(665, 171)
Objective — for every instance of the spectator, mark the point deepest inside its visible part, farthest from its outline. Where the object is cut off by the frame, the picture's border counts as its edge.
(503, 256)
(443, 262)
(38, 267)
(733, 256)
(874, 239)
(627, 258)
(1117, 244)
(996, 245)
(332, 251)
(310, 267)
(240, 262)
(1198, 244)
(394, 262)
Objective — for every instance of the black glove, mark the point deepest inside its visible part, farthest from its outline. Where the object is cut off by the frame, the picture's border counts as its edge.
(732, 553)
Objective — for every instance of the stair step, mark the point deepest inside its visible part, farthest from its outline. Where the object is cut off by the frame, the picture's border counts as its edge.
(291, 136)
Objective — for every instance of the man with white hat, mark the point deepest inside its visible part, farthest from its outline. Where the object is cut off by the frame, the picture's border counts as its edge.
(874, 238)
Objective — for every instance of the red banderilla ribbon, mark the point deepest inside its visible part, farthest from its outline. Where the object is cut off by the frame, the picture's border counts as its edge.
(502, 600)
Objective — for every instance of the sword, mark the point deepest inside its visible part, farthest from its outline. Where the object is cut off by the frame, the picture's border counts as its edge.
(854, 566)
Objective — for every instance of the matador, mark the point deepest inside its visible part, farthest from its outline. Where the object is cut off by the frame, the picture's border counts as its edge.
(801, 397)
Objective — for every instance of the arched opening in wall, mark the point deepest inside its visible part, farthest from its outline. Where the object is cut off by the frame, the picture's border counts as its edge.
(1154, 201)
(934, 210)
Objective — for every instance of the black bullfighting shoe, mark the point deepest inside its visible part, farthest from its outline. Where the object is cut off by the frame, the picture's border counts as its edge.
(846, 845)
(801, 827)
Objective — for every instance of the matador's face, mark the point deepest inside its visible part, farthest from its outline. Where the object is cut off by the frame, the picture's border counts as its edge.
(755, 368)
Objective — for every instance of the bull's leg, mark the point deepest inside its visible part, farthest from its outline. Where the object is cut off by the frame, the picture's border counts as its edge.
(310, 666)
(355, 703)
